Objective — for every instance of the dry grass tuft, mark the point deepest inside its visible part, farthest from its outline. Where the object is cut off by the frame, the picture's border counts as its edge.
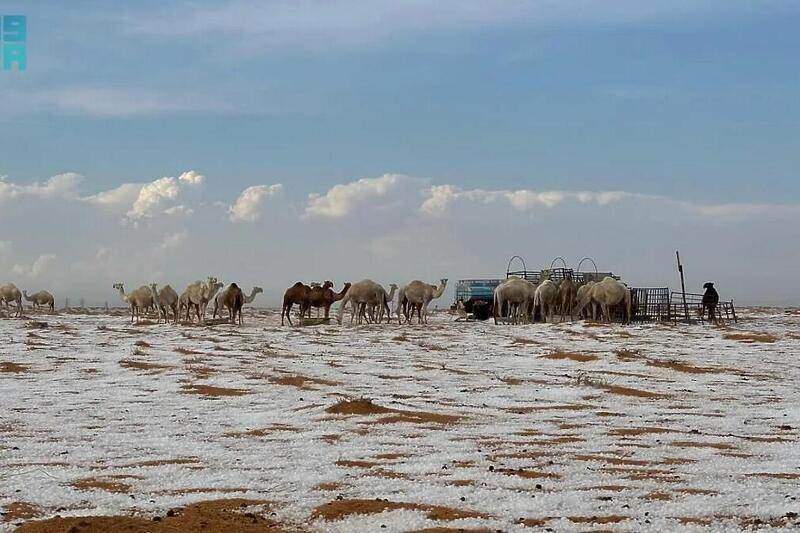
(142, 365)
(572, 356)
(750, 338)
(339, 509)
(301, 382)
(108, 485)
(12, 368)
(364, 407)
(20, 511)
(210, 391)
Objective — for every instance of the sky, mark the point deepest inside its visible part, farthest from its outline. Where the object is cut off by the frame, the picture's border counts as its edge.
(266, 142)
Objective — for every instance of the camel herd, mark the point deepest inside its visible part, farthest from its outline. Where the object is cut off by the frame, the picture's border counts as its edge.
(521, 299)
(195, 297)
(11, 295)
(515, 298)
(368, 300)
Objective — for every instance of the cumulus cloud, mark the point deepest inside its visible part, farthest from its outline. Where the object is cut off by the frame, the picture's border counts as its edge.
(441, 197)
(248, 207)
(145, 200)
(40, 266)
(381, 224)
(173, 240)
(343, 199)
(59, 186)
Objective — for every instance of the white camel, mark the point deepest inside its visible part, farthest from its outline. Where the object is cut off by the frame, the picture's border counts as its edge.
(365, 292)
(9, 293)
(608, 294)
(42, 298)
(580, 294)
(418, 296)
(372, 314)
(197, 295)
(516, 293)
(546, 299)
(165, 300)
(567, 291)
(138, 300)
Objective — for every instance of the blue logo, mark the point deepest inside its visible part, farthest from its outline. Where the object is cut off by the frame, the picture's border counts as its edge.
(13, 36)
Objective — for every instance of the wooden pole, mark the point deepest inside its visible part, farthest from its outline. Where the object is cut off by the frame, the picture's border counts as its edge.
(683, 287)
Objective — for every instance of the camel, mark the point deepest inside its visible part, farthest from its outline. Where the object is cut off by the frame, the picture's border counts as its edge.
(232, 299)
(165, 299)
(365, 292)
(567, 291)
(579, 295)
(323, 297)
(197, 295)
(607, 294)
(253, 292)
(387, 299)
(247, 299)
(296, 294)
(10, 293)
(515, 292)
(41, 298)
(371, 314)
(138, 300)
(546, 299)
(419, 295)
(402, 305)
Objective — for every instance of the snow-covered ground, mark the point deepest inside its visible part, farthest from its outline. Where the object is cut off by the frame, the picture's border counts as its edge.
(461, 425)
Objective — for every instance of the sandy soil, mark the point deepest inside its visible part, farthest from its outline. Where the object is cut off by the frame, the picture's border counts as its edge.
(106, 425)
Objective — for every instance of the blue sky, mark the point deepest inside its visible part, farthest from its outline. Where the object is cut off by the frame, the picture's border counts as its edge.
(695, 100)
(687, 101)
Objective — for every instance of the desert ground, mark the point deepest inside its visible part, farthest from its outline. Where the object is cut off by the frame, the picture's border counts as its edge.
(453, 426)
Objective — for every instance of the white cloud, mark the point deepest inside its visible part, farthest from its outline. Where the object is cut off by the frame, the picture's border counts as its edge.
(343, 199)
(179, 210)
(40, 266)
(106, 102)
(191, 177)
(249, 205)
(307, 24)
(59, 186)
(124, 195)
(390, 228)
(441, 197)
(173, 240)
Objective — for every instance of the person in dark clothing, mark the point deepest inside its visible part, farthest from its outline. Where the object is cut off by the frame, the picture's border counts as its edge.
(710, 301)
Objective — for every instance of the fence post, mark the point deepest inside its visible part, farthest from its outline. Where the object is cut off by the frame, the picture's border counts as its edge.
(683, 288)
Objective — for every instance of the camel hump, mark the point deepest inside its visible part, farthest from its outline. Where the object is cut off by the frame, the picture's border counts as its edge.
(298, 284)
(234, 285)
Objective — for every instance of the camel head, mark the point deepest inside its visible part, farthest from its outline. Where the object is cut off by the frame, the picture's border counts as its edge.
(708, 285)
(393, 286)
(118, 286)
(257, 290)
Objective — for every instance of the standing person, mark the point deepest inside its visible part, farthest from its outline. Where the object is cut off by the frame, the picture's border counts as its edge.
(710, 301)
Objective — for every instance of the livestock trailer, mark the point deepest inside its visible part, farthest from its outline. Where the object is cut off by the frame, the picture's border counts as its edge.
(476, 295)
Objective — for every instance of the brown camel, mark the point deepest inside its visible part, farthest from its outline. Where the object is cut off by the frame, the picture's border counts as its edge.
(233, 300)
(296, 294)
(324, 297)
